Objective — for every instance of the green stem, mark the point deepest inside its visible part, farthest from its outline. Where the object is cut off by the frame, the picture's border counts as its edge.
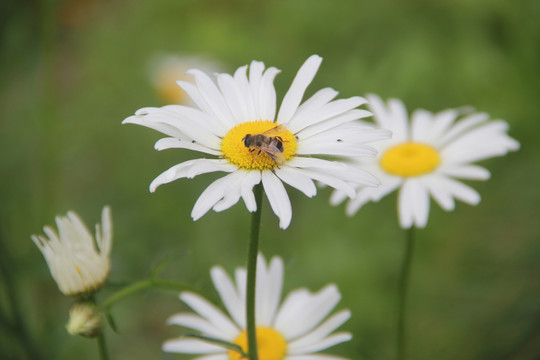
(140, 286)
(252, 274)
(403, 290)
(102, 346)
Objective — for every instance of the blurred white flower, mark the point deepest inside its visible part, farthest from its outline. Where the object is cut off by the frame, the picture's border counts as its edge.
(78, 263)
(296, 330)
(424, 158)
(166, 70)
(288, 147)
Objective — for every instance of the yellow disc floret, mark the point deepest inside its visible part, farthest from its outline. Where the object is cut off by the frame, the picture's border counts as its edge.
(270, 344)
(410, 159)
(237, 153)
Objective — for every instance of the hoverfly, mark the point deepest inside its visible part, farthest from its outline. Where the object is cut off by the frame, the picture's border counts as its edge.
(272, 146)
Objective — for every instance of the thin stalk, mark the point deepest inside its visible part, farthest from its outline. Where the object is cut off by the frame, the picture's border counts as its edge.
(252, 274)
(102, 346)
(140, 286)
(403, 290)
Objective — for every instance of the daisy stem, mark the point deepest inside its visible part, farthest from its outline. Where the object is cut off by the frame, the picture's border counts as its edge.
(102, 346)
(403, 290)
(252, 274)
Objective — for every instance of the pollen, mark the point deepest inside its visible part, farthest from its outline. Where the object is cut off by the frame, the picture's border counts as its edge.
(236, 152)
(270, 344)
(410, 159)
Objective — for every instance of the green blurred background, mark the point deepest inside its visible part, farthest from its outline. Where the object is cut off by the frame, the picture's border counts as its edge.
(71, 71)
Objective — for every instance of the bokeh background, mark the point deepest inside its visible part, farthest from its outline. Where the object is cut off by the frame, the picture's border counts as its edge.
(71, 71)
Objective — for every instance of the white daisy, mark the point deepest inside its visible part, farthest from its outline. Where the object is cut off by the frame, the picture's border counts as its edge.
(239, 106)
(425, 157)
(292, 331)
(78, 263)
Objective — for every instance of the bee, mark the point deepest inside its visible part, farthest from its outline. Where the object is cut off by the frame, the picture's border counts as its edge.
(272, 146)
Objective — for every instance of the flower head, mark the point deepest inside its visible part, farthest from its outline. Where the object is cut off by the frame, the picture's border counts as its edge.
(295, 330)
(236, 122)
(426, 156)
(78, 263)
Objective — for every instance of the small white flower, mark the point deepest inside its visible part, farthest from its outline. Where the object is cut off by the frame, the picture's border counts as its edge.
(301, 134)
(425, 157)
(78, 263)
(292, 331)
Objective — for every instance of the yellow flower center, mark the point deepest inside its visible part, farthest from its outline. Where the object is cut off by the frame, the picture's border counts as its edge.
(258, 157)
(270, 345)
(410, 159)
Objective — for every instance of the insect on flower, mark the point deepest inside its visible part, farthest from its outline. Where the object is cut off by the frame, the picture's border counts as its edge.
(272, 146)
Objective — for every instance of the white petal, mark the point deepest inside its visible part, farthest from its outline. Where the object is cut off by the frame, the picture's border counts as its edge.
(421, 123)
(462, 126)
(459, 190)
(440, 193)
(471, 172)
(174, 124)
(255, 75)
(326, 112)
(322, 331)
(333, 173)
(214, 193)
(320, 98)
(213, 357)
(190, 169)
(229, 295)
(267, 95)
(405, 205)
(481, 143)
(210, 313)
(306, 311)
(183, 143)
(393, 117)
(366, 194)
(421, 203)
(278, 198)
(197, 323)
(269, 291)
(296, 179)
(294, 96)
(213, 97)
(190, 346)
(234, 97)
(314, 357)
(323, 344)
(251, 179)
(240, 77)
(334, 122)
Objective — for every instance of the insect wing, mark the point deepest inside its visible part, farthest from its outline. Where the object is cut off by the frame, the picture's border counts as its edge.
(274, 153)
(275, 130)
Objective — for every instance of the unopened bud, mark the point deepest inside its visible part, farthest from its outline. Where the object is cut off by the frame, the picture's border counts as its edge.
(85, 319)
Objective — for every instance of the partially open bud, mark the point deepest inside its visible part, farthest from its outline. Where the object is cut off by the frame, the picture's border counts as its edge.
(85, 319)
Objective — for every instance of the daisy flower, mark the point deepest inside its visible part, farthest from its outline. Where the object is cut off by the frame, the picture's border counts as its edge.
(78, 263)
(236, 124)
(292, 331)
(426, 157)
